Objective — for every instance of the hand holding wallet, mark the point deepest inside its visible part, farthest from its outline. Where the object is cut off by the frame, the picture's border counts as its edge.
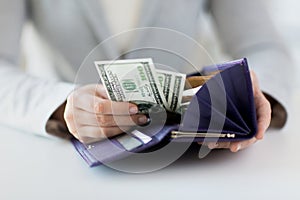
(222, 109)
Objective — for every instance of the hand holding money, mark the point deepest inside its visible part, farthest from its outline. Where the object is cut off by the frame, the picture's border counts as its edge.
(128, 89)
(90, 116)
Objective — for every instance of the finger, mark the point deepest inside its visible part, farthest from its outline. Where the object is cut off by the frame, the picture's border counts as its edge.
(87, 97)
(237, 146)
(263, 110)
(107, 107)
(118, 120)
(94, 90)
(89, 140)
(84, 102)
(69, 119)
(83, 118)
(94, 104)
(218, 145)
(101, 91)
(255, 83)
(99, 133)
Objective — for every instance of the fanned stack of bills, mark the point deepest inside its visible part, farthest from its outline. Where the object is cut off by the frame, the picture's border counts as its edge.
(137, 80)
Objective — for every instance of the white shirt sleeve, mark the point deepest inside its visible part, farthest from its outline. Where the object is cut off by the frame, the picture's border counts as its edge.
(257, 39)
(26, 102)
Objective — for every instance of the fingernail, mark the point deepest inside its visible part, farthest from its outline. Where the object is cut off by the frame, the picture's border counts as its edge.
(133, 110)
(142, 119)
(259, 136)
(238, 147)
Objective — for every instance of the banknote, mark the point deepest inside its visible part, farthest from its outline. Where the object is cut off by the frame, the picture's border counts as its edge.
(172, 84)
(132, 80)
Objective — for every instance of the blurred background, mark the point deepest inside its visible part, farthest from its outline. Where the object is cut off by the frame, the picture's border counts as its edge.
(286, 15)
(287, 19)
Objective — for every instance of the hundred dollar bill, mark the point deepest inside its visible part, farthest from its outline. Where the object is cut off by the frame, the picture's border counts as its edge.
(173, 86)
(132, 80)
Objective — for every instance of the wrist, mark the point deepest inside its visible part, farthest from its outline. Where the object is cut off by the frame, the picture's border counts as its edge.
(279, 113)
(56, 125)
(58, 114)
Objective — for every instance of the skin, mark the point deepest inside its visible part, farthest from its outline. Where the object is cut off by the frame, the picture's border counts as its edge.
(90, 116)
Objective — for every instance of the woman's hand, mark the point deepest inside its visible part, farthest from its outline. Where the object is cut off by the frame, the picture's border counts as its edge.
(263, 111)
(90, 116)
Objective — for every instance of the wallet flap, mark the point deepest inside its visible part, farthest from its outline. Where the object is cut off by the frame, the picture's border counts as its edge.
(224, 98)
(113, 149)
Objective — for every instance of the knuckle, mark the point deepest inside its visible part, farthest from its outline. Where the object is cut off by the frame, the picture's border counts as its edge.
(71, 97)
(268, 107)
(105, 120)
(72, 100)
(100, 107)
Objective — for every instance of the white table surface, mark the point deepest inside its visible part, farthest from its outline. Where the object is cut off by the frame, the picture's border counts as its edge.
(33, 167)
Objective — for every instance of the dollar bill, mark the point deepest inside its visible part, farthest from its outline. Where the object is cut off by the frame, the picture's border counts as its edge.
(132, 80)
(172, 84)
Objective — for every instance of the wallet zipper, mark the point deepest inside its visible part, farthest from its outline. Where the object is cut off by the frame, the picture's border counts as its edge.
(180, 134)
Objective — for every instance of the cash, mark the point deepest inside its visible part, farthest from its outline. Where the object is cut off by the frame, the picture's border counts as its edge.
(172, 84)
(137, 80)
(132, 80)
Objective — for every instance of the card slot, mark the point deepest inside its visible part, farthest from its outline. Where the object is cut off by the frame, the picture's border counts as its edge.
(198, 116)
(238, 86)
(241, 130)
(128, 142)
(235, 115)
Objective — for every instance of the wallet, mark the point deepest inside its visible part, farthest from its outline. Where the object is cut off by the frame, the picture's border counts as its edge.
(222, 110)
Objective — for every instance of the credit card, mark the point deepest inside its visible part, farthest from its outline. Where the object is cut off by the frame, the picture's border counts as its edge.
(129, 142)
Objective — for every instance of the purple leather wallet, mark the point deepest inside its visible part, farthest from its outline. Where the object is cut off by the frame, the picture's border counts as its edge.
(223, 110)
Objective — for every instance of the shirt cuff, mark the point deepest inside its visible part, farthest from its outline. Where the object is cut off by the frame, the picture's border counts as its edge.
(46, 126)
(275, 71)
